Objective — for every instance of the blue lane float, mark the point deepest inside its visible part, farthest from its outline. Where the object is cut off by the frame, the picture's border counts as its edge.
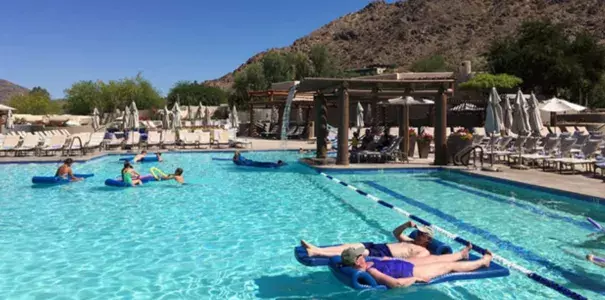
(362, 280)
(144, 159)
(221, 158)
(244, 162)
(56, 180)
(120, 183)
(300, 253)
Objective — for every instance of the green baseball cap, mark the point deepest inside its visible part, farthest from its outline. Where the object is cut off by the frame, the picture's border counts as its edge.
(349, 256)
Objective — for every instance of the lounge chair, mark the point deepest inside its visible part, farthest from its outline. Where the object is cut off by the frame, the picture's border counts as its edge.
(168, 138)
(133, 139)
(273, 132)
(96, 141)
(114, 143)
(29, 144)
(181, 135)
(204, 140)
(9, 143)
(546, 152)
(190, 139)
(222, 138)
(298, 133)
(528, 147)
(565, 146)
(236, 142)
(586, 158)
(581, 140)
(389, 153)
(153, 139)
(56, 143)
(582, 129)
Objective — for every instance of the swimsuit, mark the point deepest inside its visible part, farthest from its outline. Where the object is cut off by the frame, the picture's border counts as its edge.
(395, 268)
(127, 178)
(378, 250)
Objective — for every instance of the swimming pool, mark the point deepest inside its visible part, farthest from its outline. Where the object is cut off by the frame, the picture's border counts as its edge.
(230, 233)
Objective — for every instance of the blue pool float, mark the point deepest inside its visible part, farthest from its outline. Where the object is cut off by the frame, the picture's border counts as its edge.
(221, 158)
(56, 179)
(144, 159)
(120, 183)
(257, 164)
(598, 259)
(361, 280)
(435, 247)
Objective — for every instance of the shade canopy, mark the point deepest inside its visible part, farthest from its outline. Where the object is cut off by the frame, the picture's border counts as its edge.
(493, 114)
(5, 108)
(466, 107)
(408, 100)
(559, 105)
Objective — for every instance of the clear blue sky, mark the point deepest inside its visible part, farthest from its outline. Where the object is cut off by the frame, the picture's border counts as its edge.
(56, 43)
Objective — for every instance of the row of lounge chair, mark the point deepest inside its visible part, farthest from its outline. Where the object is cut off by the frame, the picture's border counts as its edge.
(294, 132)
(183, 138)
(49, 143)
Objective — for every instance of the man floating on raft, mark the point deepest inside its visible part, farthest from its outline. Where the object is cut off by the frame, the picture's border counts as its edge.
(407, 247)
(396, 273)
(239, 160)
(65, 171)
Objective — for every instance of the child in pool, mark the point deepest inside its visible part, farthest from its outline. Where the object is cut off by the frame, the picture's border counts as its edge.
(177, 176)
(130, 176)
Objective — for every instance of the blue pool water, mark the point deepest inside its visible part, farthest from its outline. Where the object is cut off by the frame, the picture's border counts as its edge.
(230, 233)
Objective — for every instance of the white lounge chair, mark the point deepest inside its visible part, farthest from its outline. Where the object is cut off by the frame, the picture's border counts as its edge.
(154, 139)
(204, 139)
(10, 143)
(56, 143)
(133, 139)
(190, 139)
(30, 144)
(168, 138)
(587, 157)
(95, 142)
(221, 138)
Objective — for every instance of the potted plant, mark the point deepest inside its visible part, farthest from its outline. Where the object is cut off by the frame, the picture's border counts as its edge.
(413, 137)
(424, 144)
(457, 141)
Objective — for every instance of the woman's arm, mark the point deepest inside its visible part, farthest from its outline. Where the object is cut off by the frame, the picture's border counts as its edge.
(390, 281)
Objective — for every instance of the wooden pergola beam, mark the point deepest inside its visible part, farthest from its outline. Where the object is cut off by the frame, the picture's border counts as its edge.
(314, 84)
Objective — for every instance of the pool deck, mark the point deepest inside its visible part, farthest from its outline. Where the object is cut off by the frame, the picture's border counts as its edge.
(581, 184)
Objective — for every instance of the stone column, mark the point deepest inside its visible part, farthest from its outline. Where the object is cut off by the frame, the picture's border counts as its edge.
(342, 157)
(321, 125)
(404, 128)
(440, 128)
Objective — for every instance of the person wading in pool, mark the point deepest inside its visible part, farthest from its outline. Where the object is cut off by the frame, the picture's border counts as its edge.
(65, 170)
(396, 273)
(177, 176)
(140, 156)
(405, 248)
(130, 176)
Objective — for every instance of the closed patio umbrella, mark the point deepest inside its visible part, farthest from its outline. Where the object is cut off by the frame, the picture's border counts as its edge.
(126, 119)
(359, 121)
(493, 119)
(507, 115)
(199, 114)
(207, 116)
(166, 118)
(233, 118)
(274, 115)
(134, 120)
(95, 119)
(535, 120)
(176, 118)
(10, 120)
(520, 116)
(369, 116)
(299, 115)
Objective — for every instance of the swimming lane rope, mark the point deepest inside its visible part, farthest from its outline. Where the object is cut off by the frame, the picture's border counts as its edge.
(538, 278)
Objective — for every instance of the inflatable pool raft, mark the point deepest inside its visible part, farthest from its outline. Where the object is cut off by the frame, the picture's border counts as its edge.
(55, 180)
(120, 183)
(144, 159)
(257, 164)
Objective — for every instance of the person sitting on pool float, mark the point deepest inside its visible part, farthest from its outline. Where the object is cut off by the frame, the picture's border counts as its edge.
(65, 170)
(130, 176)
(236, 156)
(177, 176)
(159, 156)
(396, 273)
(406, 247)
(139, 156)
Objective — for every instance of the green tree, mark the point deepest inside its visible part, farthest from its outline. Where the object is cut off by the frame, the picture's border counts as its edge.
(323, 62)
(550, 59)
(34, 103)
(252, 78)
(486, 81)
(192, 93)
(83, 96)
(301, 65)
(41, 91)
(434, 63)
(276, 67)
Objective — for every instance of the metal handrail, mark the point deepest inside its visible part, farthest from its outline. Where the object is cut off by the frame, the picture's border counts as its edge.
(72, 143)
(467, 151)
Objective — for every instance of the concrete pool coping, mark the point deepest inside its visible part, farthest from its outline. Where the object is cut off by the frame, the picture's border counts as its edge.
(575, 186)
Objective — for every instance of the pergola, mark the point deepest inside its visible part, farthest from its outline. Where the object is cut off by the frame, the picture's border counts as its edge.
(270, 98)
(341, 90)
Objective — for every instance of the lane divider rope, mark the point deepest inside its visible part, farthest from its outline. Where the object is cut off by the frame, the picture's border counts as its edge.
(505, 262)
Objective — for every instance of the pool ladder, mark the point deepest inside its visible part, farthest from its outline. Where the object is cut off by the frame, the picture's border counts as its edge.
(459, 158)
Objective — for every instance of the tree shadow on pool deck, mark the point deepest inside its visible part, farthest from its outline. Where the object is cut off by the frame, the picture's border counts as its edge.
(323, 285)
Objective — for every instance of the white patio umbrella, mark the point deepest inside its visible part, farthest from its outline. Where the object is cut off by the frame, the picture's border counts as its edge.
(274, 115)
(493, 118)
(5, 108)
(535, 120)
(520, 116)
(190, 112)
(166, 118)
(559, 105)
(207, 116)
(359, 122)
(299, 115)
(176, 120)
(134, 121)
(126, 119)
(10, 120)
(233, 118)
(507, 115)
(199, 114)
(406, 102)
(95, 119)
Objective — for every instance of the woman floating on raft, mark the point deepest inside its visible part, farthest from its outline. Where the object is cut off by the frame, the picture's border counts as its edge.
(239, 160)
(396, 273)
(129, 176)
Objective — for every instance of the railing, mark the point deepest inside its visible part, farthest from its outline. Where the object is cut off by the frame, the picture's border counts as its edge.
(71, 143)
(473, 149)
